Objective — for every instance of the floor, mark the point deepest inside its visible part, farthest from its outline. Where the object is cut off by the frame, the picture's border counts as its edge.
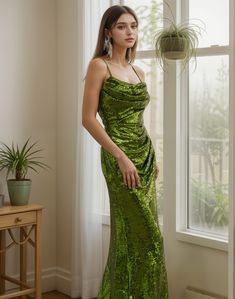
(54, 295)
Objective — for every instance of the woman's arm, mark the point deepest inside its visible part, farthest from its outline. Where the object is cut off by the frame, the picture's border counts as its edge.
(96, 74)
(95, 77)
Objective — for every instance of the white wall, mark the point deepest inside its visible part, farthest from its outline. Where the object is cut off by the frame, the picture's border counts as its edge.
(38, 58)
(67, 128)
(28, 104)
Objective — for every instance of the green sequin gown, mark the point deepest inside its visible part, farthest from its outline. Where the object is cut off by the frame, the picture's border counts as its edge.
(135, 267)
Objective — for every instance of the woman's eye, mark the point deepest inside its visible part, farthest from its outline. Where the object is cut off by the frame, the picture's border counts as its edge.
(134, 26)
(120, 27)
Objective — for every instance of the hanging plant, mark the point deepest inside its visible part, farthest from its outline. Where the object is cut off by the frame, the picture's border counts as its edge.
(177, 41)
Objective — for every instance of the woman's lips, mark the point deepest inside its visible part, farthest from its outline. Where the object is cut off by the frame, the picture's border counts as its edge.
(130, 39)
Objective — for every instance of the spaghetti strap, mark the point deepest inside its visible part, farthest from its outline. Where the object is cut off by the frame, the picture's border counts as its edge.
(110, 74)
(136, 72)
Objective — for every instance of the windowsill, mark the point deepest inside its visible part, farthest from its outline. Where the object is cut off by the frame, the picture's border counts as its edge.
(190, 236)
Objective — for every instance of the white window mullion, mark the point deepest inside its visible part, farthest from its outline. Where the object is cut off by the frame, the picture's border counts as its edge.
(145, 54)
(181, 150)
(182, 136)
(231, 248)
(213, 51)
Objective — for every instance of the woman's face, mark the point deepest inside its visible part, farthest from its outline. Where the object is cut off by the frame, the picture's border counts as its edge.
(125, 32)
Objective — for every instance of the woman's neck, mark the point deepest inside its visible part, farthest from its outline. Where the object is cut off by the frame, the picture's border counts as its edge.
(119, 57)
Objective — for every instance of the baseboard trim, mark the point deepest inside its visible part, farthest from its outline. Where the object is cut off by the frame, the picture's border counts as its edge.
(54, 278)
(63, 281)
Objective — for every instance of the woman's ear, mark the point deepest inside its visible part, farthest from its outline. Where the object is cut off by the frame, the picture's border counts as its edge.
(107, 33)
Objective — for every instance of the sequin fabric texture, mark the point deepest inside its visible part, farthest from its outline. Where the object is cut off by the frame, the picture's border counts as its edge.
(135, 267)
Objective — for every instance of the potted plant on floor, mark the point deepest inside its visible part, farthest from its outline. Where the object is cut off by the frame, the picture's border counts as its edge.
(18, 161)
(177, 41)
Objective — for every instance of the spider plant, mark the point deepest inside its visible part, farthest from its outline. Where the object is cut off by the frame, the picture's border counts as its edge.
(177, 41)
(18, 161)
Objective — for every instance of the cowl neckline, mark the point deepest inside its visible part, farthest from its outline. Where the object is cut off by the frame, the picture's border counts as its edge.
(111, 78)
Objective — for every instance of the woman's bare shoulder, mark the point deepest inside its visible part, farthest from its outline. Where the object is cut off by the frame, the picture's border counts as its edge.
(97, 70)
(97, 64)
(140, 72)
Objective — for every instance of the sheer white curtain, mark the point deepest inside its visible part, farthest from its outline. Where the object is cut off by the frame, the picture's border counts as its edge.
(87, 264)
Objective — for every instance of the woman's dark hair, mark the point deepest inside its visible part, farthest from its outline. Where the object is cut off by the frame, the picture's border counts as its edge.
(110, 17)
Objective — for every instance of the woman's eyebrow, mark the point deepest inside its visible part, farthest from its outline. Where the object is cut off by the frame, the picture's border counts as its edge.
(125, 23)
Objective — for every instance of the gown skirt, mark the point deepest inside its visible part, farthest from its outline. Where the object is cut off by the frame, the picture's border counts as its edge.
(135, 267)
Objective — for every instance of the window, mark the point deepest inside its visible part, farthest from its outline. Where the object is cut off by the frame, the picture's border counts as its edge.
(207, 125)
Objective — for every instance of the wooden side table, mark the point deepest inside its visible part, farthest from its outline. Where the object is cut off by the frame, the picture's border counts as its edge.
(27, 218)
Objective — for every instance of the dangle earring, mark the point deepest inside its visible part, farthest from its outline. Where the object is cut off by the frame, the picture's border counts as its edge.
(106, 44)
(110, 51)
(108, 47)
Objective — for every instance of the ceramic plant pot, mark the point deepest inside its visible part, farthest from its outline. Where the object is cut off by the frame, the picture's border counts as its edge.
(173, 47)
(19, 191)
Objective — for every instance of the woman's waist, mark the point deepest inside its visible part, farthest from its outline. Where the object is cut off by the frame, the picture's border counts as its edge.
(141, 152)
(127, 119)
(126, 131)
(125, 126)
(134, 140)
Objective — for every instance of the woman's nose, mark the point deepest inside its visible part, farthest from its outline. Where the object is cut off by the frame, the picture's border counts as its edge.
(130, 30)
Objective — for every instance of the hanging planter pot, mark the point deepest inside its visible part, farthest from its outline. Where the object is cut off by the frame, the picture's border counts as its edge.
(174, 47)
(177, 41)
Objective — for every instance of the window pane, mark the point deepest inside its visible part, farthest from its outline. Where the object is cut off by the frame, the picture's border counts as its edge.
(153, 118)
(215, 15)
(208, 146)
(149, 13)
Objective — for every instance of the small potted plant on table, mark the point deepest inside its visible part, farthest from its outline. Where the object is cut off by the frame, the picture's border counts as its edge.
(18, 161)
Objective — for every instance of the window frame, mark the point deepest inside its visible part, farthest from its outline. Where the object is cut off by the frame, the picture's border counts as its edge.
(183, 233)
(231, 243)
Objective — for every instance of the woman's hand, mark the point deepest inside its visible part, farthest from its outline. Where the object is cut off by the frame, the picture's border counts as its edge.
(129, 172)
(157, 171)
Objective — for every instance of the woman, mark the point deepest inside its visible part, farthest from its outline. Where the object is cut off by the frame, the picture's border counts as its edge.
(116, 90)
